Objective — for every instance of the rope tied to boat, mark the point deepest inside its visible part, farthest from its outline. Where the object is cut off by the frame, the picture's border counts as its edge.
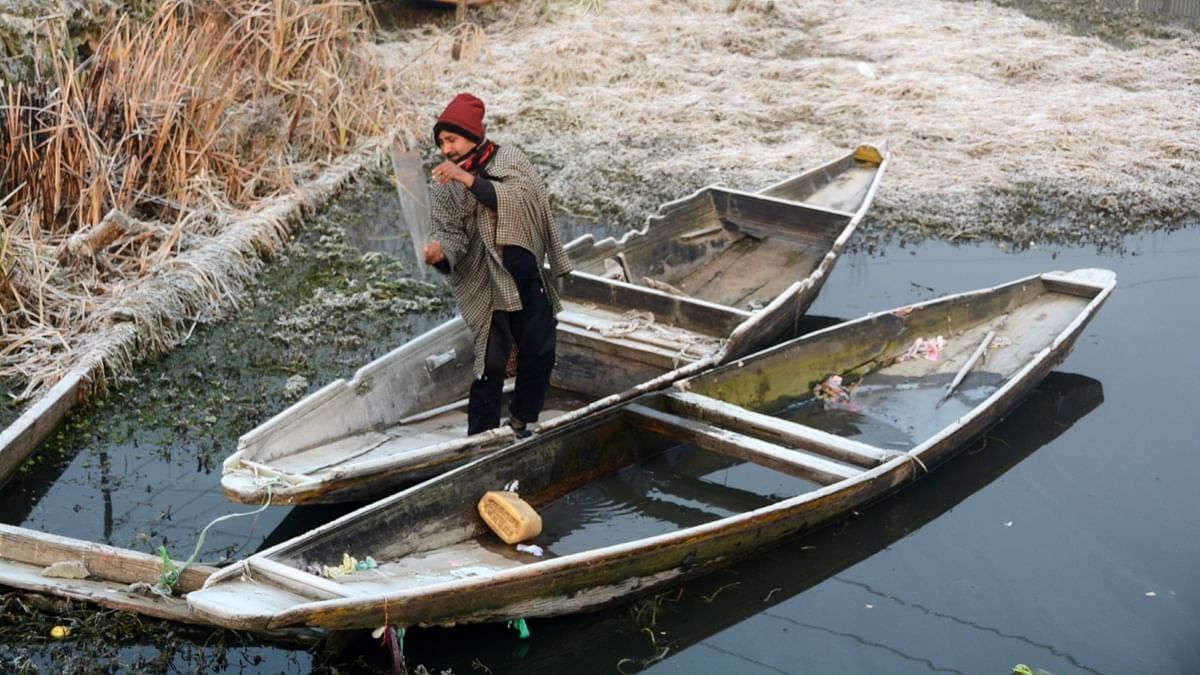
(169, 573)
(917, 460)
(635, 320)
(391, 638)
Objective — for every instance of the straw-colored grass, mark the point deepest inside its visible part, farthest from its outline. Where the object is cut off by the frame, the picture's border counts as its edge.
(134, 183)
(125, 172)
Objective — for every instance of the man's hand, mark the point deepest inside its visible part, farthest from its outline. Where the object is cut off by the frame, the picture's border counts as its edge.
(433, 253)
(447, 171)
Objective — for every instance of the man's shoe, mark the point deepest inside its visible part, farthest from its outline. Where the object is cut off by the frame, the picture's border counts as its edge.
(520, 430)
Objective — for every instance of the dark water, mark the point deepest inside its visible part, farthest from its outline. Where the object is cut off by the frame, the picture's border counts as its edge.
(682, 487)
(1081, 557)
(1065, 539)
(400, 14)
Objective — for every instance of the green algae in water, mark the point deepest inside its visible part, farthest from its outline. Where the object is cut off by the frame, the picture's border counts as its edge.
(105, 641)
(142, 467)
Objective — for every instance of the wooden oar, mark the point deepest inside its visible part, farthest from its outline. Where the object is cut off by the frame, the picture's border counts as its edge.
(962, 372)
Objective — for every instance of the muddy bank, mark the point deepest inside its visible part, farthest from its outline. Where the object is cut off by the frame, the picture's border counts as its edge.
(1123, 23)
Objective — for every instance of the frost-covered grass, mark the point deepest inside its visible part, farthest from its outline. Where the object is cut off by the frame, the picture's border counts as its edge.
(1001, 125)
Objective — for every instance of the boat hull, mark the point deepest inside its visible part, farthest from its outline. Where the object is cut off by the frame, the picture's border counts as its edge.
(713, 276)
(443, 567)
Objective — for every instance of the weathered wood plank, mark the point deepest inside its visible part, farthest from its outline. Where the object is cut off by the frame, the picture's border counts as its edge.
(21, 438)
(690, 313)
(1085, 283)
(599, 326)
(779, 458)
(663, 336)
(628, 349)
(844, 184)
(265, 470)
(105, 594)
(112, 572)
(460, 404)
(102, 561)
(296, 581)
(748, 272)
(784, 432)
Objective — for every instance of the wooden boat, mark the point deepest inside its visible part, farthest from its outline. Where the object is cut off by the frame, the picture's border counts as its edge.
(679, 481)
(701, 608)
(658, 304)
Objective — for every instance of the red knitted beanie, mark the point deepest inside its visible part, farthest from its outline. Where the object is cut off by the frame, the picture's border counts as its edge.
(464, 116)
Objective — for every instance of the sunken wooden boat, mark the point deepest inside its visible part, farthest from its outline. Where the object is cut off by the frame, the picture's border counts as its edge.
(700, 608)
(681, 480)
(713, 276)
(104, 575)
(116, 578)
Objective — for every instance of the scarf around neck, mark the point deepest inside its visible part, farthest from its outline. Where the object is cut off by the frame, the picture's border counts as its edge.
(479, 157)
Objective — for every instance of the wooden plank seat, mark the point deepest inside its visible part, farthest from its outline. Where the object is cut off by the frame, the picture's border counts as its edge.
(789, 461)
(784, 432)
(294, 580)
(671, 338)
(628, 348)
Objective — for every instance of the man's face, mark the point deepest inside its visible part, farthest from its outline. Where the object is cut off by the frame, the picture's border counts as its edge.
(453, 146)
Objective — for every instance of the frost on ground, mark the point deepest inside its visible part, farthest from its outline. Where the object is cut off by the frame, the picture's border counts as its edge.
(1001, 126)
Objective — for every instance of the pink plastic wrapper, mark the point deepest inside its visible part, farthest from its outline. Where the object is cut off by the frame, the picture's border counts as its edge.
(832, 393)
(924, 348)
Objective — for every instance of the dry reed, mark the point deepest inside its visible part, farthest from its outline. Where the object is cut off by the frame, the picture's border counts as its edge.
(135, 183)
(187, 123)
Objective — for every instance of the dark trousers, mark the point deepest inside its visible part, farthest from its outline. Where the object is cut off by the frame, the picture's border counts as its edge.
(532, 329)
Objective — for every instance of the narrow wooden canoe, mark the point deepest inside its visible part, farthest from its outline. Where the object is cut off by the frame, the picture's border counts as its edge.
(713, 276)
(679, 481)
(700, 608)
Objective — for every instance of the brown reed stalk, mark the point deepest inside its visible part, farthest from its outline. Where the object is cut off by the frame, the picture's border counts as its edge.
(207, 106)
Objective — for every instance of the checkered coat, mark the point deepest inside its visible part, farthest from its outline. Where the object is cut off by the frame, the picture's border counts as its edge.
(470, 234)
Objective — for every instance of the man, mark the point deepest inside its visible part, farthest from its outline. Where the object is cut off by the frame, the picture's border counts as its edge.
(493, 235)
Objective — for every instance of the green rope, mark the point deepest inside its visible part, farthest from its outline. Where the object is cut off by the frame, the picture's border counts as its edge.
(169, 574)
